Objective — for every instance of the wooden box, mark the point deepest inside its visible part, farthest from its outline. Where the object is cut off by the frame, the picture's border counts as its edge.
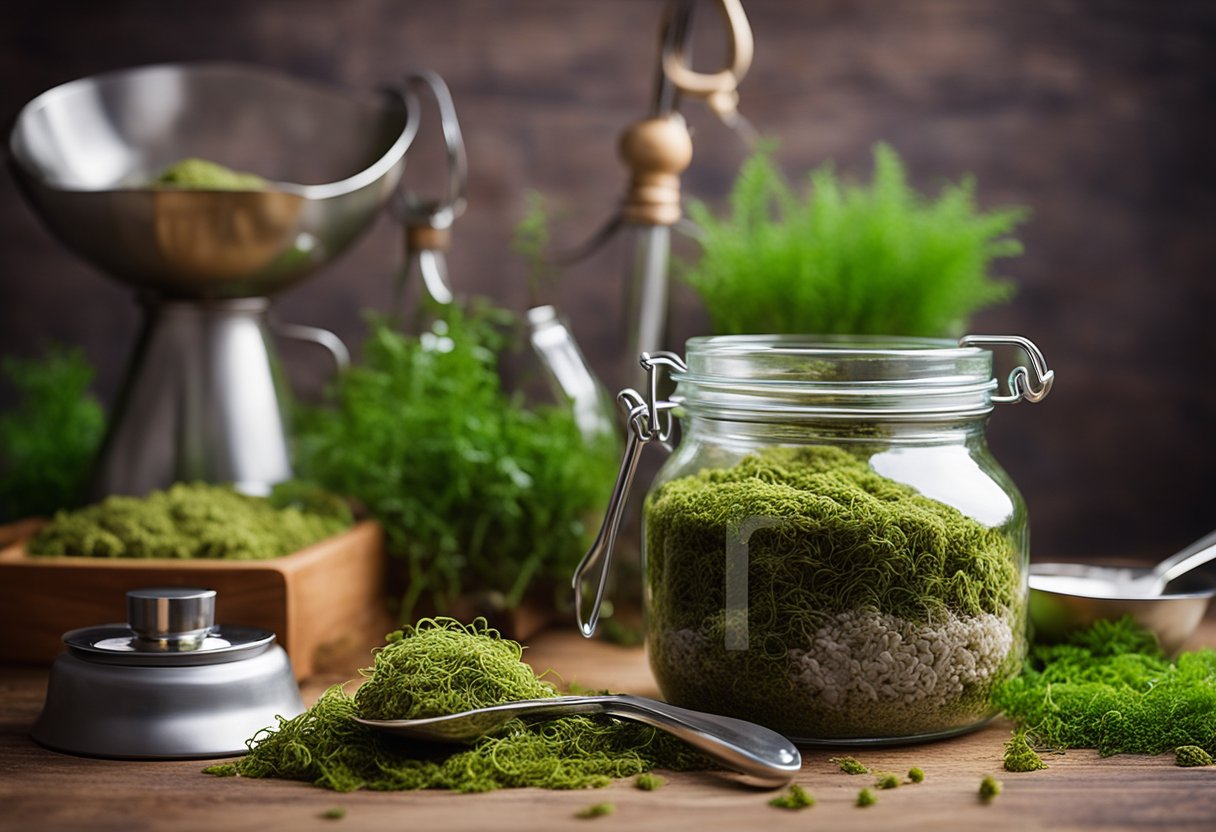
(314, 600)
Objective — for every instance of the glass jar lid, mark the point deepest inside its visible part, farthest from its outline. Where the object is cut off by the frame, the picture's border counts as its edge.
(793, 377)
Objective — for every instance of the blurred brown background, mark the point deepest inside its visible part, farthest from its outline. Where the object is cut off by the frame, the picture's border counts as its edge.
(1098, 114)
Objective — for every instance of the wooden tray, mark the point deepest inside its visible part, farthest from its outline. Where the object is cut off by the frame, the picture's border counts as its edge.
(313, 600)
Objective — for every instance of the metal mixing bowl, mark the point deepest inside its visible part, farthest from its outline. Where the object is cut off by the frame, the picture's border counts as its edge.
(83, 153)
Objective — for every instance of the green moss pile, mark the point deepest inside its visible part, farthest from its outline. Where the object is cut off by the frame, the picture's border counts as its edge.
(871, 611)
(794, 798)
(1019, 756)
(204, 175)
(1112, 688)
(1191, 756)
(194, 521)
(441, 666)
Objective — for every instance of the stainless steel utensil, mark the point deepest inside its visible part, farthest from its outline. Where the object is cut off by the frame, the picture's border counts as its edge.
(765, 757)
(169, 684)
(1169, 599)
(83, 153)
(202, 398)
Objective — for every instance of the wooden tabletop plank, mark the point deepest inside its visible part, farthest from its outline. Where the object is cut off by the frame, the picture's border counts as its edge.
(46, 791)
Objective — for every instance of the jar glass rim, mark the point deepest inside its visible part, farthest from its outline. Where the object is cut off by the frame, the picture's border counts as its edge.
(775, 377)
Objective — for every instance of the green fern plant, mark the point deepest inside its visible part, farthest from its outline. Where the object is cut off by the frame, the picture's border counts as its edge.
(879, 259)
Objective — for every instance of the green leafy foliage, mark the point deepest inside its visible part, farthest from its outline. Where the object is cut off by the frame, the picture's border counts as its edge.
(845, 258)
(476, 490)
(1111, 688)
(48, 441)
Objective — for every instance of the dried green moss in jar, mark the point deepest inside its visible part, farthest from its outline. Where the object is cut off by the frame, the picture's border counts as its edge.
(832, 551)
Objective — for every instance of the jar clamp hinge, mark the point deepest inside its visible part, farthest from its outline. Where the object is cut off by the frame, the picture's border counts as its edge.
(1020, 386)
(646, 419)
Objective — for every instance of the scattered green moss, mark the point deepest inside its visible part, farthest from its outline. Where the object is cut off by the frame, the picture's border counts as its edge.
(194, 520)
(221, 770)
(49, 438)
(334, 813)
(795, 798)
(596, 810)
(441, 666)
(648, 782)
(476, 490)
(990, 787)
(887, 780)
(916, 775)
(1019, 756)
(866, 797)
(1191, 755)
(204, 175)
(850, 765)
(1111, 688)
(844, 567)
(847, 258)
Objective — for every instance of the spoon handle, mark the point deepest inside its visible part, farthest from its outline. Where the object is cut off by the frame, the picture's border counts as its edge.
(766, 757)
(1191, 557)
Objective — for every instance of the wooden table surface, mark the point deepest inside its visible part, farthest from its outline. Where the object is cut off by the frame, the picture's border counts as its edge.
(45, 791)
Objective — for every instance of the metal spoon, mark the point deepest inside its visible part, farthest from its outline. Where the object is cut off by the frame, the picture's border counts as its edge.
(1069, 596)
(764, 756)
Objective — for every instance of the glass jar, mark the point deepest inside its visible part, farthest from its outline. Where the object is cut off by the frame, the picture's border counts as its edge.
(832, 550)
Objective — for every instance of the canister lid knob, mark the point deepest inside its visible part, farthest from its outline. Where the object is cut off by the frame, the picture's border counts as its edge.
(171, 615)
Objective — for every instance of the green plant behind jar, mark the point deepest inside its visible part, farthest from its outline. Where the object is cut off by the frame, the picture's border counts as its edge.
(475, 489)
(841, 258)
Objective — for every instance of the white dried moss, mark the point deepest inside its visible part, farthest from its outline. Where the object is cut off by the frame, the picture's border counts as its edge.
(863, 656)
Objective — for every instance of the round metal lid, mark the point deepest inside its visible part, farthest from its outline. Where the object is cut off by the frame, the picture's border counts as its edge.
(168, 626)
(118, 644)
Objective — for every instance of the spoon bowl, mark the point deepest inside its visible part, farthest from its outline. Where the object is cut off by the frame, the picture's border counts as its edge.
(764, 757)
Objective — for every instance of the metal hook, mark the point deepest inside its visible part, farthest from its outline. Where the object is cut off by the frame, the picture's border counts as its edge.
(439, 213)
(647, 420)
(719, 89)
(1020, 386)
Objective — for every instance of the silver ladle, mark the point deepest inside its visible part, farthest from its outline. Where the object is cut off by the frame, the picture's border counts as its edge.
(765, 757)
(1069, 596)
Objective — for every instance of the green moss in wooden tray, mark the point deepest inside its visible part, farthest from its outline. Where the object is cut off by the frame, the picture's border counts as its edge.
(196, 520)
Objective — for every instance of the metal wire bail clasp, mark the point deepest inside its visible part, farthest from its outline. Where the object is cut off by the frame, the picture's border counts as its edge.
(1020, 386)
(646, 419)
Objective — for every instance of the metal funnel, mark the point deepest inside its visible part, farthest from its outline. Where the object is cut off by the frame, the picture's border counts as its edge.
(83, 152)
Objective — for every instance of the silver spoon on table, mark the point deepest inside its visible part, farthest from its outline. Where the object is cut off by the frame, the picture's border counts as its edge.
(765, 757)
(1070, 596)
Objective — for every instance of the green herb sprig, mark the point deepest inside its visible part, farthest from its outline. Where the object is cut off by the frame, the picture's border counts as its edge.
(878, 259)
(49, 439)
(475, 489)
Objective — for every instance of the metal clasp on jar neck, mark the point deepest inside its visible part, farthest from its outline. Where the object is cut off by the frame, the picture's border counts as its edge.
(646, 419)
(1020, 386)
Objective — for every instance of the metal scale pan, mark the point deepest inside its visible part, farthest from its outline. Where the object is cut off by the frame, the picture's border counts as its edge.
(203, 398)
